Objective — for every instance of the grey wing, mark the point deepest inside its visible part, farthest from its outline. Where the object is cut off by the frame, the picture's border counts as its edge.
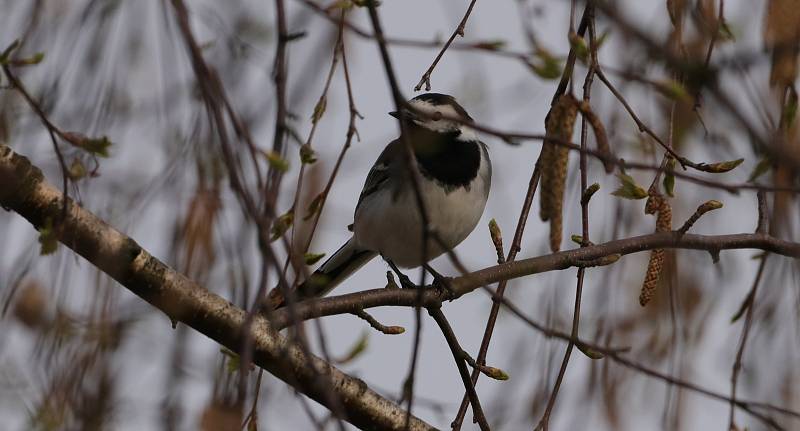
(380, 172)
(488, 177)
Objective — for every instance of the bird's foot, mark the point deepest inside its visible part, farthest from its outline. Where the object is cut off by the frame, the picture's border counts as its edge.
(405, 282)
(441, 282)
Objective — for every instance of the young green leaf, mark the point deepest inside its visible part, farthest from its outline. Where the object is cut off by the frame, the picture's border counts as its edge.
(314, 206)
(628, 188)
(76, 170)
(276, 161)
(490, 45)
(312, 258)
(29, 61)
(548, 67)
(357, 349)
(589, 352)
(48, 238)
(761, 168)
(319, 109)
(96, 146)
(578, 45)
(281, 225)
(719, 167)
(673, 90)
(307, 155)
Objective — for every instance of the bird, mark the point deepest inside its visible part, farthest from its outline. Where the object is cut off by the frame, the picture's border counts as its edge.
(454, 180)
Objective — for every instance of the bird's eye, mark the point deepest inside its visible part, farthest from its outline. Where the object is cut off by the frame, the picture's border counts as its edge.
(437, 116)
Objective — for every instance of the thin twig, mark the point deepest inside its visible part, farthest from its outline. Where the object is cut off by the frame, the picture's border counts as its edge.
(426, 77)
(748, 323)
(378, 326)
(458, 355)
(762, 212)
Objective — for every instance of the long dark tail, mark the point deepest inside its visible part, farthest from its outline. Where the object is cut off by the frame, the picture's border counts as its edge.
(347, 260)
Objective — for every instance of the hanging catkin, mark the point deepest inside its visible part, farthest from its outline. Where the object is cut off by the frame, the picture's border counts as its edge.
(559, 125)
(655, 203)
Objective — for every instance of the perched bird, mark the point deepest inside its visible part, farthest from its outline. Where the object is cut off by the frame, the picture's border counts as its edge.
(455, 176)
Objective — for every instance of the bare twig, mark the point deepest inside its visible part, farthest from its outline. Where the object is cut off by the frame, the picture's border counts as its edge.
(426, 77)
(749, 305)
(702, 209)
(458, 355)
(378, 326)
(762, 212)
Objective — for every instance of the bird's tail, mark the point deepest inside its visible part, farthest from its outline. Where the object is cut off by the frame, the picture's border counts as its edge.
(347, 260)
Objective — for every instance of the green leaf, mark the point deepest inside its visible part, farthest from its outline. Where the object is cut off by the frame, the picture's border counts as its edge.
(319, 109)
(276, 161)
(719, 167)
(602, 39)
(578, 45)
(589, 352)
(281, 225)
(96, 146)
(341, 4)
(548, 67)
(669, 178)
(307, 155)
(357, 349)
(577, 239)
(76, 170)
(30, 61)
(315, 206)
(233, 363)
(628, 188)
(312, 258)
(490, 45)
(48, 238)
(761, 168)
(673, 90)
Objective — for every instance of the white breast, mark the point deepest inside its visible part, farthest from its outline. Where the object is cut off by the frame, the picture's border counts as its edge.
(391, 225)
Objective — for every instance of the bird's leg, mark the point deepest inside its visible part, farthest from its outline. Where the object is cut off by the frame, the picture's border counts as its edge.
(439, 280)
(405, 282)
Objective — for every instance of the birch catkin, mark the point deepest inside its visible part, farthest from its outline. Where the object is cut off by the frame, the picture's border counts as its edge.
(655, 203)
(559, 124)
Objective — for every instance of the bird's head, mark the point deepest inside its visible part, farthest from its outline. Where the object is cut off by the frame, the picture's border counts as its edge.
(435, 112)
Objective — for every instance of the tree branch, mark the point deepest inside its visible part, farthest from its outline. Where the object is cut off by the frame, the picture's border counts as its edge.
(26, 192)
(431, 296)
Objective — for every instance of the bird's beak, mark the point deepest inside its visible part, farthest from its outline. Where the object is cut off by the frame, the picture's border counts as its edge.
(403, 115)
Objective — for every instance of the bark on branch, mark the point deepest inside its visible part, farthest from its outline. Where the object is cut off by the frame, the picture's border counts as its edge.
(578, 257)
(24, 190)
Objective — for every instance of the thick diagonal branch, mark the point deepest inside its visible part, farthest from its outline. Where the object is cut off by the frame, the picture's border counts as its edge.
(24, 190)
